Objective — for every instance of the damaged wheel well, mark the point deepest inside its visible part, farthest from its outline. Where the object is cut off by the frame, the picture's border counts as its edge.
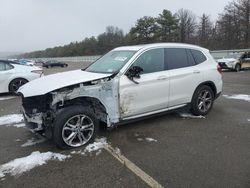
(94, 103)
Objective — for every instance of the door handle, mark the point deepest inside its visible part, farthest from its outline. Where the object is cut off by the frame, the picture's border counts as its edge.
(196, 72)
(162, 78)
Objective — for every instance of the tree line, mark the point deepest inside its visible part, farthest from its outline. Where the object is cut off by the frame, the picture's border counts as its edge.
(230, 31)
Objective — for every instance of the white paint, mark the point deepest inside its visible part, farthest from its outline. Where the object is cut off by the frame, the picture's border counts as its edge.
(248, 120)
(33, 141)
(52, 82)
(24, 164)
(12, 119)
(190, 116)
(6, 98)
(238, 97)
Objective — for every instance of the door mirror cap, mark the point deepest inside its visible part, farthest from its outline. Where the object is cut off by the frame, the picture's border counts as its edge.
(134, 72)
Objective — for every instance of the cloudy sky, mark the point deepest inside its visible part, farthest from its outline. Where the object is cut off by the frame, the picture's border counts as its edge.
(28, 25)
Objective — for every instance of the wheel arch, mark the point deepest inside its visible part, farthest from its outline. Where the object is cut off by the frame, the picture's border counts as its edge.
(100, 109)
(209, 84)
(15, 78)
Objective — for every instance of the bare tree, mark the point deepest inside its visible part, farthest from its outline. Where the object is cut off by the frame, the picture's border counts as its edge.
(205, 31)
(187, 25)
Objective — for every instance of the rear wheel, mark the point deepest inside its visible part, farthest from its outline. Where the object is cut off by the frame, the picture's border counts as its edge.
(16, 84)
(237, 67)
(75, 126)
(202, 100)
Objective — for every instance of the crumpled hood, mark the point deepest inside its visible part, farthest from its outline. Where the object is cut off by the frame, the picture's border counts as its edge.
(52, 82)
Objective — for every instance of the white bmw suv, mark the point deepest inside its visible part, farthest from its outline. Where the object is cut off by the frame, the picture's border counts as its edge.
(127, 83)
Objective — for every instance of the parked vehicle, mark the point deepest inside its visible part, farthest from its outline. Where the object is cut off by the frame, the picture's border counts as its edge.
(54, 63)
(125, 84)
(26, 62)
(237, 63)
(14, 75)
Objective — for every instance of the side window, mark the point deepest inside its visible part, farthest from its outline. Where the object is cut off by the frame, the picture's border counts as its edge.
(2, 66)
(190, 57)
(199, 57)
(151, 61)
(8, 67)
(176, 58)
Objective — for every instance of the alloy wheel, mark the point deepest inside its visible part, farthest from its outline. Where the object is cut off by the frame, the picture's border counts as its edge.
(78, 130)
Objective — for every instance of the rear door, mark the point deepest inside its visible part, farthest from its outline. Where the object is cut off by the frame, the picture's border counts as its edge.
(184, 74)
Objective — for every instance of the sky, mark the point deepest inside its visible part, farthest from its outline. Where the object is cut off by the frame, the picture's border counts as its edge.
(29, 25)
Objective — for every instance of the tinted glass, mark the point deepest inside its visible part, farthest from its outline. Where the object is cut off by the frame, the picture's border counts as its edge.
(151, 61)
(8, 67)
(190, 57)
(176, 58)
(2, 66)
(199, 57)
(111, 62)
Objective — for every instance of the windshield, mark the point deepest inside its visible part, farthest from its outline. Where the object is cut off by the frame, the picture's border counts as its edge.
(111, 62)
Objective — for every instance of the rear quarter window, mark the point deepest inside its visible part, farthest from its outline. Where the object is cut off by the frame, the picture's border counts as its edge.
(198, 56)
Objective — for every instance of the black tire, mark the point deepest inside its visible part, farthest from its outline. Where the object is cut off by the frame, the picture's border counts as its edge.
(237, 67)
(197, 100)
(63, 116)
(15, 84)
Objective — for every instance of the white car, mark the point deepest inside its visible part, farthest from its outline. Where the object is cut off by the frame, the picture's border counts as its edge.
(228, 63)
(14, 75)
(237, 63)
(126, 84)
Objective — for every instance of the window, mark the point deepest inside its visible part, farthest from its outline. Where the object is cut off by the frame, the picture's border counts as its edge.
(151, 61)
(190, 57)
(2, 66)
(5, 66)
(176, 58)
(111, 62)
(8, 66)
(199, 57)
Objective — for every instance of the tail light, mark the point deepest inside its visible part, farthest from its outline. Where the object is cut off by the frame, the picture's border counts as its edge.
(219, 68)
(38, 72)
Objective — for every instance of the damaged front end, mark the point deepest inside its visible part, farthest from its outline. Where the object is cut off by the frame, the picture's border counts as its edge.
(37, 112)
(101, 95)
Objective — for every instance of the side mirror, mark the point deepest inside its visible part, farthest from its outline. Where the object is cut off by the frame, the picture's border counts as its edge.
(134, 72)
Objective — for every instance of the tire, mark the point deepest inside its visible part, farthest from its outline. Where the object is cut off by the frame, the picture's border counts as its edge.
(202, 101)
(237, 67)
(68, 123)
(15, 84)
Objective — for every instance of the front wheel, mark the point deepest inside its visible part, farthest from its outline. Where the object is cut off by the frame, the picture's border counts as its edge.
(75, 126)
(202, 100)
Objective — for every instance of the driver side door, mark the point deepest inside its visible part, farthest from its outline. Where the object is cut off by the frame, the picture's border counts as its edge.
(152, 91)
